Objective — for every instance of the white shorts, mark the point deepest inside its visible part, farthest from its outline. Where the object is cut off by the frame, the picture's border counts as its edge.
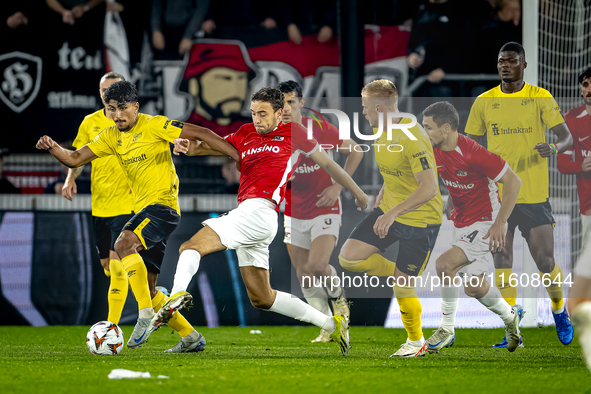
(583, 267)
(249, 229)
(301, 233)
(469, 239)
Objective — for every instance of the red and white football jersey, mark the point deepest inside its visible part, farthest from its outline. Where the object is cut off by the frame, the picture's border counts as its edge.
(470, 173)
(266, 161)
(579, 124)
(310, 180)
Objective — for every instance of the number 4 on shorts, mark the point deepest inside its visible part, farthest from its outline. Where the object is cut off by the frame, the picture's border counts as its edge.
(471, 236)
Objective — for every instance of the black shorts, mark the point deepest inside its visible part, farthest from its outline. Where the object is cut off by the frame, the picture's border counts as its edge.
(528, 216)
(416, 243)
(106, 231)
(153, 225)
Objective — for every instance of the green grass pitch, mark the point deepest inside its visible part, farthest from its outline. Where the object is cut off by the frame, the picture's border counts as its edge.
(282, 360)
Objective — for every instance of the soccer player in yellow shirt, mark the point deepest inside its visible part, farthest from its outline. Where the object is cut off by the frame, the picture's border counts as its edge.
(408, 210)
(514, 117)
(141, 144)
(112, 202)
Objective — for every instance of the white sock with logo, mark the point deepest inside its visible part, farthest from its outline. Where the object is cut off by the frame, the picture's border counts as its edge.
(495, 302)
(332, 289)
(318, 299)
(287, 305)
(186, 267)
(449, 306)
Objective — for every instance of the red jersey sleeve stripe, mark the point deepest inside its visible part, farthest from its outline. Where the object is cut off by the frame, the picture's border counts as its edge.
(503, 171)
(314, 150)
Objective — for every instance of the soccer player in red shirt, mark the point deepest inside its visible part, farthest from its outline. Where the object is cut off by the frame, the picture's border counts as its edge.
(268, 152)
(579, 123)
(471, 173)
(313, 212)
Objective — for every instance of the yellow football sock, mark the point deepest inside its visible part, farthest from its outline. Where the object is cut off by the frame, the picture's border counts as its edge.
(555, 288)
(117, 290)
(138, 279)
(178, 321)
(375, 265)
(502, 282)
(410, 311)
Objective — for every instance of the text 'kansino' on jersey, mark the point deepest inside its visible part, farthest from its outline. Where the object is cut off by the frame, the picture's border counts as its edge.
(310, 180)
(470, 173)
(267, 161)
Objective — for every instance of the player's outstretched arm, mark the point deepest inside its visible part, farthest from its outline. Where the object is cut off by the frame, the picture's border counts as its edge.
(71, 159)
(338, 174)
(193, 148)
(565, 141)
(426, 190)
(329, 195)
(214, 141)
(496, 233)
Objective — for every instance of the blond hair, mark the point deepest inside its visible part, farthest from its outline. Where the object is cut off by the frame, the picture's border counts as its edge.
(381, 88)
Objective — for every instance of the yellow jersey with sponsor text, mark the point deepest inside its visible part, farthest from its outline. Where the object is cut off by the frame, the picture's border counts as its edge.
(111, 195)
(398, 160)
(514, 123)
(144, 154)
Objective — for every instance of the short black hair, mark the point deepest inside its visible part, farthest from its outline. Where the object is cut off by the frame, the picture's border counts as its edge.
(584, 75)
(443, 112)
(290, 86)
(121, 92)
(269, 95)
(113, 75)
(513, 46)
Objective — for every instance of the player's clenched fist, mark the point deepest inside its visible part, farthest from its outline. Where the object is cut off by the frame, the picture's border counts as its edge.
(181, 145)
(46, 143)
(361, 202)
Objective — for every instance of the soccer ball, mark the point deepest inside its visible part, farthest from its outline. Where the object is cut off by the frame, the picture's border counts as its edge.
(105, 338)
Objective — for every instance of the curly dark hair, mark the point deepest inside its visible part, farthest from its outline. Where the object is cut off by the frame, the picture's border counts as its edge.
(121, 92)
(269, 95)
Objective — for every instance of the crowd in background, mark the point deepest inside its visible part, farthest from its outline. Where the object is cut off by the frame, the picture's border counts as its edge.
(446, 36)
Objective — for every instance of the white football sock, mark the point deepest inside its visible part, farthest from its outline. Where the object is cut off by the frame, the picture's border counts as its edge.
(418, 342)
(449, 306)
(293, 307)
(495, 302)
(185, 269)
(193, 336)
(146, 313)
(558, 311)
(332, 289)
(317, 298)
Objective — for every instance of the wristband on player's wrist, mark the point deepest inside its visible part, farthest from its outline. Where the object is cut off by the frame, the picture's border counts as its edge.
(554, 148)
